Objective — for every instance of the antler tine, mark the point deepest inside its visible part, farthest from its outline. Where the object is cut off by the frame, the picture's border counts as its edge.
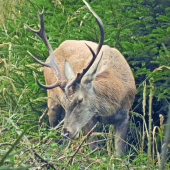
(83, 72)
(47, 86)
(38, 61)
(52, 63)
(100, 24)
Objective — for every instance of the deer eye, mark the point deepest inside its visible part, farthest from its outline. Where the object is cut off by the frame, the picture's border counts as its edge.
(80, 100)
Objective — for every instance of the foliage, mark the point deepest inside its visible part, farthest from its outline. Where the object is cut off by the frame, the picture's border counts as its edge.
(140, 29)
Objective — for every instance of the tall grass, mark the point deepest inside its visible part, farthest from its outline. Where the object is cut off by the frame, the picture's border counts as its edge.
(8, 10)
(22, 102)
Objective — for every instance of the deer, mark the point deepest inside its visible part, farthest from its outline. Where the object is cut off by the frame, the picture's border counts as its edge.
(89, 83)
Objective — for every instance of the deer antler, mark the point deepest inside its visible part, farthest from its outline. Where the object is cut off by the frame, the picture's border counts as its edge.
(94, 54)
(52, 63)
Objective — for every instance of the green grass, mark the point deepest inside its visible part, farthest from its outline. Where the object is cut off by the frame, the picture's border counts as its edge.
(24, 143)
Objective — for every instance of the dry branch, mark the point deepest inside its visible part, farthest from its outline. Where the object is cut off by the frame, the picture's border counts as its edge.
(7, 143)
(97, 141)
(43, 160)
(42, 116)
(71, 159)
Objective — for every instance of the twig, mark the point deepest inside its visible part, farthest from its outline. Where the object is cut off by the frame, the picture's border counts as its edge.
(62, 157)
(7, 143)
(87, 168)
(42, 116)
(4, 129)
(43, 160)
(35, 168)
(59, 125)
(91, 152)
(71, 159)
(97, 141)
(99, 134)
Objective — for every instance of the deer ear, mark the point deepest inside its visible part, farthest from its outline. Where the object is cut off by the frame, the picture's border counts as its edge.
(68, 71)
(92, 72)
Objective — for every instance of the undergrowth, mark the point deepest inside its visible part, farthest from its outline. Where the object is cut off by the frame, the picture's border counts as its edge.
(139, 29)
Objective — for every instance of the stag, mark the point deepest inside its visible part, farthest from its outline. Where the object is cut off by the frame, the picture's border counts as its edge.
(88, 83)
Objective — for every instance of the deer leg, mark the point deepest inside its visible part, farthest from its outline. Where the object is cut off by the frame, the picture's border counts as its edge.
(54, 114)
(88, 127)
(120, 136)
(55, 109)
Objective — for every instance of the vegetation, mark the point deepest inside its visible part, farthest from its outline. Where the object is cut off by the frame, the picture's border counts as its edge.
(140, 29)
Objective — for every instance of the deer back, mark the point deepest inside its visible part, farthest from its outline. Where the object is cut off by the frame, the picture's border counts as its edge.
(114, 80)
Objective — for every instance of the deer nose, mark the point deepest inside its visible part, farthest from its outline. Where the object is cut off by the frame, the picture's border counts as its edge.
(65, 133)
